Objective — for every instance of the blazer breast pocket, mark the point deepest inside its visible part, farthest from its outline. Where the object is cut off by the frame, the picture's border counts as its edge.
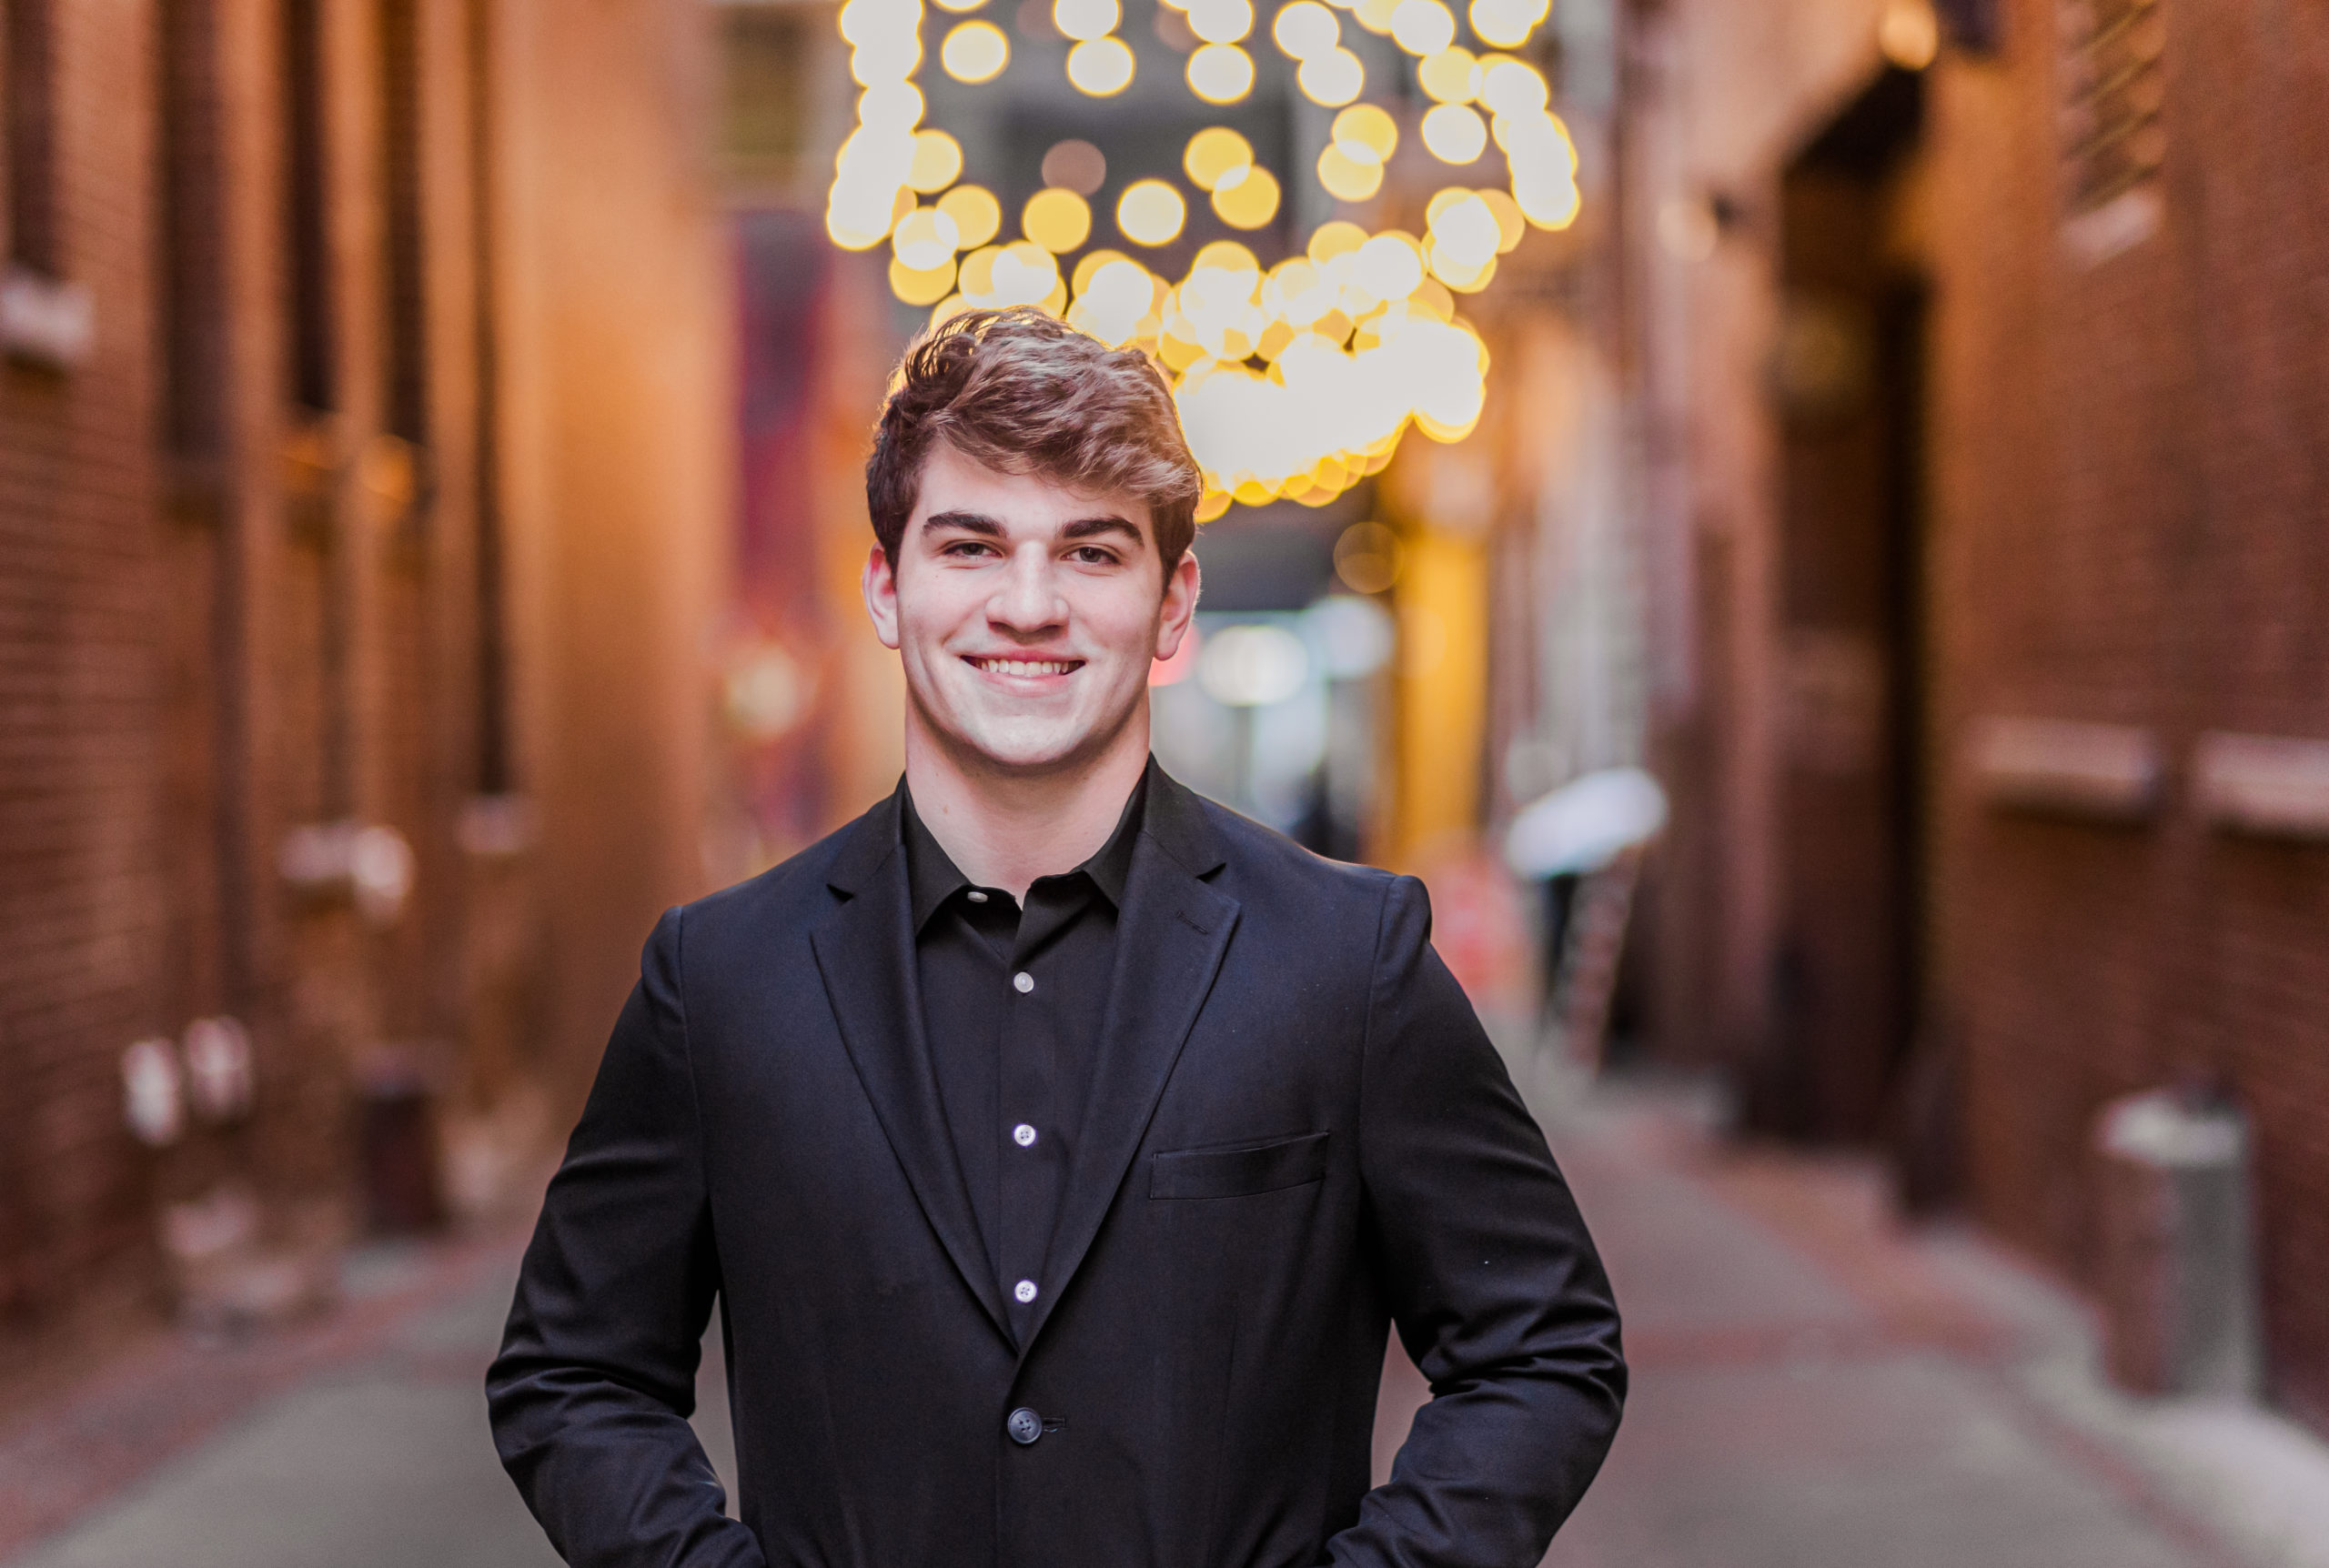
(1238, 1170)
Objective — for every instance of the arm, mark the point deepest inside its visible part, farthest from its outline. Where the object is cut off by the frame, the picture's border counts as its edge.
(1491, 1278)
(591, 1395)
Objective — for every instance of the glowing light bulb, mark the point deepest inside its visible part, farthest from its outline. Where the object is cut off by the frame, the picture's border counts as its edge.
(1446, 75)
(937, 164)
(1220, 73)
(1421, 26)
(1464, 231)
(1151, 212)
(921, 287)
(1100, 67)
(1246, 198)
(1213, 153)
(1347, 177)
(1306, 29)
(1221, 21)
(1331, 79)
(1510, 86)
(1085, 19)
(975, 52)
(1056, 219)
(1454, 133)
(926, 238)
(1389, 266)
(1506, 23)
(1368, 126)
(978, 216)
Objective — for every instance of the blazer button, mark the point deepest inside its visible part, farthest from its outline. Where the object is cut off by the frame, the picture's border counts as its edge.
(1024, 1425)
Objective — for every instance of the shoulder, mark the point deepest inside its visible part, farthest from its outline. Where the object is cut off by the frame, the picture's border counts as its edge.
(1271, 874)
(788, 896)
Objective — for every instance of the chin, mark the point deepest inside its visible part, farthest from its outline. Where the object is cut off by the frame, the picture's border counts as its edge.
(1027, 745)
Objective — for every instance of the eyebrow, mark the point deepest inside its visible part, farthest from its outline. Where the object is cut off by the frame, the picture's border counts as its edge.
(979, 523)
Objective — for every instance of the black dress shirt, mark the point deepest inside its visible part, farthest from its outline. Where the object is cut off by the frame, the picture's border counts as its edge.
(1013, 1002)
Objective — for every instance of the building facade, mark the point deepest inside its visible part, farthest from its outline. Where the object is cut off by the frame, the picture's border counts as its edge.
(1983, 354)
(360, 489)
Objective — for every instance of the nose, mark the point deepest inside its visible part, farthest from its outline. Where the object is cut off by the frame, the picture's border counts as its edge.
(1026, 601)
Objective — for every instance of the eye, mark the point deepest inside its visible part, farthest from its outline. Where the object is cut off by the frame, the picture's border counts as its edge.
(1092, 556)
(967, 548)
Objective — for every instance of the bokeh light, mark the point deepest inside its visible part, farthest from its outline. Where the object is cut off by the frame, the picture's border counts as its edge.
(1333, 78)
(1085, 19)
(1100, 67)
(1220, 73)
(937, 161)
(1454, 133)
(1151, 212)
(1305, 30)
(975, 52)
(1212, 153)
(1075, 166)
(1220, 21)
(1448, 75)
(1058, 220)
(1421, 26)
(978, 216)
(1246, 197)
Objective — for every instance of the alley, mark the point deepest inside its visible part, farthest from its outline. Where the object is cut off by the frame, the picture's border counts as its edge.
(1811, 1389)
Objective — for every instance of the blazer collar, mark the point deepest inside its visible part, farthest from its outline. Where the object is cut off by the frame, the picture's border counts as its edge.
(1171, 935)
(1172, 931)
(864, 951)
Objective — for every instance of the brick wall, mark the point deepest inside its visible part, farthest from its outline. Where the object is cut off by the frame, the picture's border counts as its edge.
(80, 893)
(2130, 530)
(225, 617)
(2127, 487)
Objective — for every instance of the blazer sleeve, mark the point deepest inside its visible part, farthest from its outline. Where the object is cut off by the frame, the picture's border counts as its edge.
(1492, 1280)
(591, 1395)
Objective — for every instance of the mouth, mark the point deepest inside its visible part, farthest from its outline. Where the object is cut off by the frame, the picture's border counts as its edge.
(1024, 668)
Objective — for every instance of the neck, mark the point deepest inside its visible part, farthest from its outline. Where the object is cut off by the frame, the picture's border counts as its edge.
(1006, 828)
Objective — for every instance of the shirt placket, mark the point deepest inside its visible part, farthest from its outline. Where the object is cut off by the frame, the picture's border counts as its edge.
(1033, 1149)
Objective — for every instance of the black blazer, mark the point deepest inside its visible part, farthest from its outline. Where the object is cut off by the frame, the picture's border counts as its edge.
(1298, 1134)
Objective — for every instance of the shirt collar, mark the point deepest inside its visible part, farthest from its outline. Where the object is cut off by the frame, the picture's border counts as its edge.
(932, 877)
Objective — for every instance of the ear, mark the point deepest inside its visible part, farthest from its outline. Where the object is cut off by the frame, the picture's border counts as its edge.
(879, 583)
(1181, 589)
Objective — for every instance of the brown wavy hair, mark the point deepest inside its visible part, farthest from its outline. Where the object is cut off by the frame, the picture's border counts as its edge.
(1021, 391)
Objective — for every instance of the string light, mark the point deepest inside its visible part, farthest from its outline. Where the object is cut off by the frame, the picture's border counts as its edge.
(1213, 153)
(1151, 212)
(1084, 20)
(1454, 133)
(1295, 381)
(1058, 220)
(1221, 21)
(1220, 73)
(1246, 197)
(1100, 67)
(1331, 79)
(974, 52)
(937, 161)
(1421, 26)
(978, 216)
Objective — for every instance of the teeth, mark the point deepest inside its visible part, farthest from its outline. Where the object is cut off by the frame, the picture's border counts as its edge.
(1026, 666)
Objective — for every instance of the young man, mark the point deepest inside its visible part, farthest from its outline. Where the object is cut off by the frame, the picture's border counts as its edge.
(1058, 1146)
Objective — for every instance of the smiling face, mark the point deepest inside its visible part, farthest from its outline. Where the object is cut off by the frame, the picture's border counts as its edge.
(1026, 615)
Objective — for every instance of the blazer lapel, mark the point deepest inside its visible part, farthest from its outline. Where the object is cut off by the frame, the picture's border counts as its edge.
(1170, 938)
(865, 953)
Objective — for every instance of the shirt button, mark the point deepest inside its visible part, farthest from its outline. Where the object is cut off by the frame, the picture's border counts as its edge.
(1024, 1425)
(1022, 982)
(975, 896)
(1024, 1136)
(1023, 1292)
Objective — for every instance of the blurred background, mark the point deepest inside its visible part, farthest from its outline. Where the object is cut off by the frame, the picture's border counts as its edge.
(1802, 520)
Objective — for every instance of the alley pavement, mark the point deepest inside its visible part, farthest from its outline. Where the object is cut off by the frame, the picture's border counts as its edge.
(1812, 1386)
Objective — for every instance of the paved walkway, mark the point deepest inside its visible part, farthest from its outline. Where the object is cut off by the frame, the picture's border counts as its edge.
(1811, 1389)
